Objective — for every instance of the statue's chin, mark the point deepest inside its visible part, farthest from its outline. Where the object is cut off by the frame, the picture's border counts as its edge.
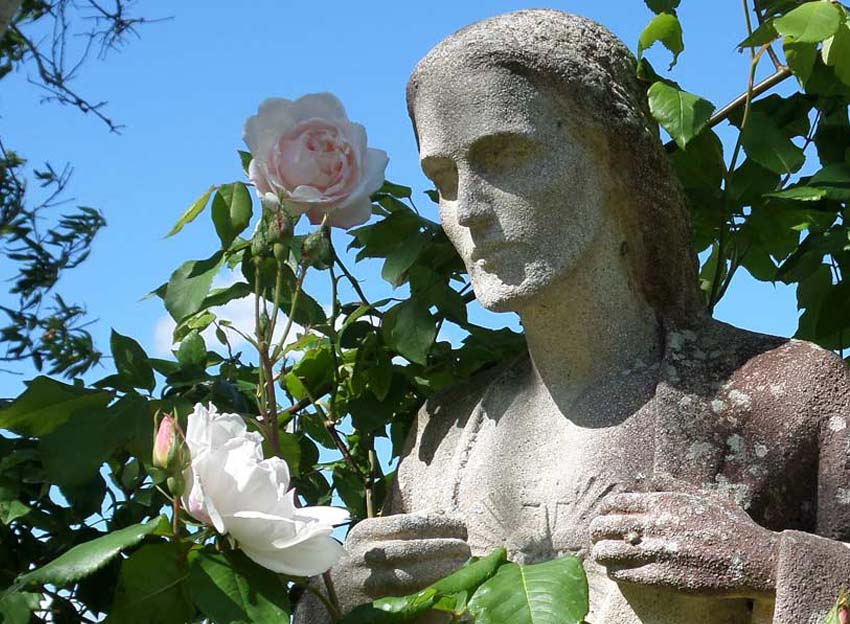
(497, 294)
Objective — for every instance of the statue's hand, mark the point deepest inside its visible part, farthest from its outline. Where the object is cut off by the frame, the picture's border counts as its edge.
(395, 555)
(687, 542)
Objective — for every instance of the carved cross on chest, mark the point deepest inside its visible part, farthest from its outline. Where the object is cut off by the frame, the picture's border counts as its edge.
(535, 525)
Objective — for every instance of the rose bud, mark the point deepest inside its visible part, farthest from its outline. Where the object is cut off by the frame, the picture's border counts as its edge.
(316, 249)
(166, 445)
(844, 615)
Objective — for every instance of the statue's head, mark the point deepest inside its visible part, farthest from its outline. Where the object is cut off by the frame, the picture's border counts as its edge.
(536, 132)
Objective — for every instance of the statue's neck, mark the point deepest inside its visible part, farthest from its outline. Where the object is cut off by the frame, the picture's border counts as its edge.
(590, 326)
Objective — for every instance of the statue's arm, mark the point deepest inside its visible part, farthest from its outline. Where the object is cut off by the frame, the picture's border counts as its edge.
(813, 569)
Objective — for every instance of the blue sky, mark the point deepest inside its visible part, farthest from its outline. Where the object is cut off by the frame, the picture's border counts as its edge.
(184, 88)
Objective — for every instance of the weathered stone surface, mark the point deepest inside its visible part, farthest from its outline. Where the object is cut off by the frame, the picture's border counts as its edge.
(700, 471)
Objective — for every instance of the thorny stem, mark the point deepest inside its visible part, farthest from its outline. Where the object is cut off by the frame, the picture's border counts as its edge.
(175, 517)
(296, 295)
(777, 64)
(330, 427)
(370, 483)
(721, 260)
(352, 280)
(262, 346)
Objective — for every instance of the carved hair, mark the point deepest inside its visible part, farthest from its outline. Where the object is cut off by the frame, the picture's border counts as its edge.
(593, 73)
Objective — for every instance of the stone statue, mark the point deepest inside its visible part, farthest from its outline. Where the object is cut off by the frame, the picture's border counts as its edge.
(700, 471)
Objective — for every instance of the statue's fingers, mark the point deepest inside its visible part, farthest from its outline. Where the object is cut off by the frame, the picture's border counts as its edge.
(409, 527)
(620, 552)
(616, 526)
(402, 553)
(653, 574)
(629, 502)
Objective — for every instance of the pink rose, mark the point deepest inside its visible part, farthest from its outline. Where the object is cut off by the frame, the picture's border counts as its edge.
(308, 157)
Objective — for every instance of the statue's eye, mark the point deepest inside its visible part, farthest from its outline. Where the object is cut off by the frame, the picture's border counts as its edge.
(502, 153)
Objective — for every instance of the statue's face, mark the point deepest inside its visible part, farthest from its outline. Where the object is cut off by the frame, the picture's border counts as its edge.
(521, 182)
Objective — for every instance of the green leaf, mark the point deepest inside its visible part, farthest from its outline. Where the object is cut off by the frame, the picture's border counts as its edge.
(554, 592)
(192, 350)
(400, 259)
(472, 574)
(683, 115)
(17, 607)
(131, 361)
(153, 587)
(232, 589)
(700, 165)
(836, 52)
(189, 285)
(662, 6)
(311, 374)
(75, 451)
(245, 159)
(834, 179)
(223, 296)
(410, 330)
(232, 210)
(762, 35)
(801, 57)
(87, 558)
(665, 28)
(810, 22)
(12, 510)
(192, 212)
(396, 190)
(766, 144)
(46, 404)
(800, 193)
(834, 315)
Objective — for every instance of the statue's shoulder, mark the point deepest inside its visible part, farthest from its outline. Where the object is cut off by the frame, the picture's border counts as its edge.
(455, 402)
(775, 377)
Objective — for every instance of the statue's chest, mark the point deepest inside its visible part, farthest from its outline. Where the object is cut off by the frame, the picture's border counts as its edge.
(533, 481)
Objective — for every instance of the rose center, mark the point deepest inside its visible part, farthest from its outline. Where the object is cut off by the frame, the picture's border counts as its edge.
(317, 155)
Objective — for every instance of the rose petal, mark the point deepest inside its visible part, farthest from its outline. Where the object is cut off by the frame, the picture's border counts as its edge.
(308, 558)
(259, 177)
(318, 105)
(353, 214)
(326, 515)
(274, 116)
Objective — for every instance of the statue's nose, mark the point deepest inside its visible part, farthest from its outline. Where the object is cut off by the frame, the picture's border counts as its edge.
(473, 204)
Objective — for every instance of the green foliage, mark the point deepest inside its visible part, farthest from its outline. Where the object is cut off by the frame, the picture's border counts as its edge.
(448, 594)
(664, 27)
(131, 362)
(231, 211)
(554, 592)
(682, 114)
(662, 6)
(87, 558)
(46, 404)
(762, 214)
(811, 22)
(231, 589)
(192, 212)
(189, 285)
(153, 587)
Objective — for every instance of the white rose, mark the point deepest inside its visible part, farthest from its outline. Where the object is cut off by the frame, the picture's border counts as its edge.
(231, 487)
(310, 157)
